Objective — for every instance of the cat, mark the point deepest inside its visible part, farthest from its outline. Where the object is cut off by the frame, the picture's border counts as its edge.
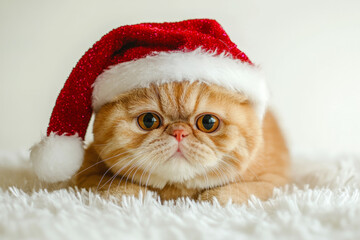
(184, 139)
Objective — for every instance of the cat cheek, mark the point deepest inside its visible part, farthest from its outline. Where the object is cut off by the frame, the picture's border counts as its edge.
(198, 153)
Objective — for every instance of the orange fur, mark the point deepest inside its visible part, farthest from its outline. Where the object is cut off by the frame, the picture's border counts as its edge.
(243, 157)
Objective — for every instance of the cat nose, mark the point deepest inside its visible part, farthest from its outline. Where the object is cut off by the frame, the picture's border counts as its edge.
(179, 134)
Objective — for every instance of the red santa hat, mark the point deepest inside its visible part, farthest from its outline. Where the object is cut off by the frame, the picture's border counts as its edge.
(135, 56)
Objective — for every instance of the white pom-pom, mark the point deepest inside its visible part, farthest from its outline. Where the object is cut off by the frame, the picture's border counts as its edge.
(57, 158)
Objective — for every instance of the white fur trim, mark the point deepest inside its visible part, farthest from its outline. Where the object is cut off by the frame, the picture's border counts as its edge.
(57, 158)
(178, 66)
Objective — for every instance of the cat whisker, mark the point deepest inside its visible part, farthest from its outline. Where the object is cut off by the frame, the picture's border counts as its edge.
(239, 178)
(93, 165)
(150, 172)
(153, 167)
(110, 169)
(227, 180)
(126, 174)
(248, 169)
(144, 171)
(206, 176)
(119, 171)
(137, 169)
(224, 179)
(122, 160)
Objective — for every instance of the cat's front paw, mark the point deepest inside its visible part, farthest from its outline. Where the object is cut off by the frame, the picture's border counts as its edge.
(120, 191)
(239, 193)
(223, 195)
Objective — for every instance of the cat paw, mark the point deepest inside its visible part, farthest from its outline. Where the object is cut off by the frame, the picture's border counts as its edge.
(212, 196)
(223, 196)
(119, 192)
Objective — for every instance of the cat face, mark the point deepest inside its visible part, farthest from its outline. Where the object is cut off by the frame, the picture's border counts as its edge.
(195, 134)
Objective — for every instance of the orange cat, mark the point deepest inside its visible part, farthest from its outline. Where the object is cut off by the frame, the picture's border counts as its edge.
(184, 139)
(179, 110)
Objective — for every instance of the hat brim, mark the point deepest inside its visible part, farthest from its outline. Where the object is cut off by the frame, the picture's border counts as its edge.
(176, 66)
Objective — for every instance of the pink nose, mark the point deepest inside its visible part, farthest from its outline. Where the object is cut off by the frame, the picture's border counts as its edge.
(179, 134)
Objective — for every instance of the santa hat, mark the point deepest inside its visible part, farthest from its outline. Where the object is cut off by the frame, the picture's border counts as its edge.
(135, 56)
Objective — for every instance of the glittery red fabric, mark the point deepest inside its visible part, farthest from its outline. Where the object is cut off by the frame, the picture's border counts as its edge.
(72, 112)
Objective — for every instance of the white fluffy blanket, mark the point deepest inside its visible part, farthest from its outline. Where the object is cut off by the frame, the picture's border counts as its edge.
(322, 203)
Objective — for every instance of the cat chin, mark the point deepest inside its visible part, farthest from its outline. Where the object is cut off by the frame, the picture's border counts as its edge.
(176, 169)
(195, 181)
(179, 170)
(177, 158)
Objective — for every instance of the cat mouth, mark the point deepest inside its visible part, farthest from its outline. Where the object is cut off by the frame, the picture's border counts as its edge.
(178, 155)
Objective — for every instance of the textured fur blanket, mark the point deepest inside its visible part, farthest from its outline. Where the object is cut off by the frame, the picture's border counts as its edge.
(322, 203)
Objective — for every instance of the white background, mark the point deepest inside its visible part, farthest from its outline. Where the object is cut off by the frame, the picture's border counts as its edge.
(309, 50)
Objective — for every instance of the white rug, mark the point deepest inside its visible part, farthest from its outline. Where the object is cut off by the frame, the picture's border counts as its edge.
(323, 203)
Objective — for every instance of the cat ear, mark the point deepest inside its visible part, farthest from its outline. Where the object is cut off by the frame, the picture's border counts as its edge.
(57, 158)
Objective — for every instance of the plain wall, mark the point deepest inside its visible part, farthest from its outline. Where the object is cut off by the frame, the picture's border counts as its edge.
(308, 49)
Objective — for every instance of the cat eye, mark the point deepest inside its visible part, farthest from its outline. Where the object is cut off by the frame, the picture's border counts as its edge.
(149, 121)
(207, 123)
